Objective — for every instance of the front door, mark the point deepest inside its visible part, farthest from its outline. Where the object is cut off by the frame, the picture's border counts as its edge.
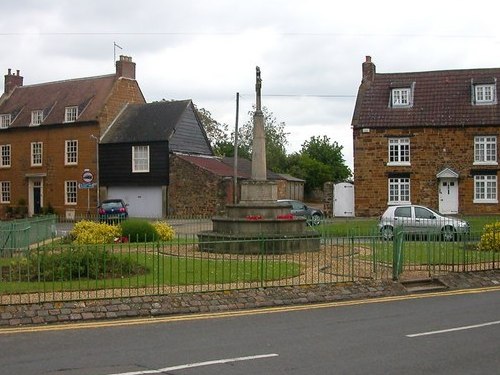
(35, 196)
(448, 195)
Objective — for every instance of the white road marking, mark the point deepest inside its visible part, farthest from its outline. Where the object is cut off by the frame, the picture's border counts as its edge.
(454, 329)
(199, 364)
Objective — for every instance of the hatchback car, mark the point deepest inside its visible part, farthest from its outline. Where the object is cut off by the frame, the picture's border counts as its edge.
(313, 215)
(112, 210)
(420, 220)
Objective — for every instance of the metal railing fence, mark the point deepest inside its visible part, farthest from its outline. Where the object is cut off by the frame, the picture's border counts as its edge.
(18, 235)
(61, 271)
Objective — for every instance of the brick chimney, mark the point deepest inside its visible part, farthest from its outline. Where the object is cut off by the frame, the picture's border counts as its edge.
(12, 81)
(368, 70)
(125, 67)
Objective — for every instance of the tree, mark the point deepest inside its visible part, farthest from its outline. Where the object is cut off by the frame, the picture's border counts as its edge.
(276, 140)
(217, 133)
(328, 153)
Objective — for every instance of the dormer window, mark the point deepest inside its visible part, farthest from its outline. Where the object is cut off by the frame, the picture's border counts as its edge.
(401, 97)
(484, 94)
(5, 121)
(70, 114)
(36, 117)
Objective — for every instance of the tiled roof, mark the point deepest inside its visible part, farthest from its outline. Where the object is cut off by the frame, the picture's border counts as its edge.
(89, 94)
(146, 122)
(172, 121)
(212, 164)
(440, 98)
(223, 167)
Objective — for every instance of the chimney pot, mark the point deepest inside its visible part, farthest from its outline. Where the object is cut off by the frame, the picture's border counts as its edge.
(125, 67)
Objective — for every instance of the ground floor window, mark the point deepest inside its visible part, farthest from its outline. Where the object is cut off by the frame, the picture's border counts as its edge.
(5, 192)
(70, 190)
(399, 190)
(485, 189)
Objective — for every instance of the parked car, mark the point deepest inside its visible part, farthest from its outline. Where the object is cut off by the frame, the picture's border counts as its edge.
(111, 210)
(420, 220)
(313, 215)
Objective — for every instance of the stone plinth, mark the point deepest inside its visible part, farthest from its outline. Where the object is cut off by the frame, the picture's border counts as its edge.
(259, 192)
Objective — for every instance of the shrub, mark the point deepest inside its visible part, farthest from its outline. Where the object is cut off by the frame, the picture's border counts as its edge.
(138, 230)
(164, 230)
(490, 239)
(90, 232)
(73, 263)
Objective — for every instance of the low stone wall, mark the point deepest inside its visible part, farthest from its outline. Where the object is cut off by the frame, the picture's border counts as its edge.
(79, 311)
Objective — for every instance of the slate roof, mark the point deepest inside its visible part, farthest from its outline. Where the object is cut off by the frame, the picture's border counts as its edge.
(440, 98)
(89, 94)
(172, 121)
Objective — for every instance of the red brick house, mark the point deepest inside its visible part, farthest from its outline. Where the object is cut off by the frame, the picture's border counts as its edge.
(49, 136)
(427, 138)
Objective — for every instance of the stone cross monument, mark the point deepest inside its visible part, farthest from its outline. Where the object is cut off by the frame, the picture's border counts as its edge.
(259, 136)
(258, 190)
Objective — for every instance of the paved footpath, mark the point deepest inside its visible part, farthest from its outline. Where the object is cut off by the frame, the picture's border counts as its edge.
(91, 310)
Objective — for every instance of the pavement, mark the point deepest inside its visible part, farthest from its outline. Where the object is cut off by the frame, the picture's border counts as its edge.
(43, 313)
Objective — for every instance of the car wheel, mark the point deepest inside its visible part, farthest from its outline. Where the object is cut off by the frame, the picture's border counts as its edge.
(315, 219)
(387, 232)
(448, 233)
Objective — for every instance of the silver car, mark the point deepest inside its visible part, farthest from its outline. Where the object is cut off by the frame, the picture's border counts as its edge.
(420, 220)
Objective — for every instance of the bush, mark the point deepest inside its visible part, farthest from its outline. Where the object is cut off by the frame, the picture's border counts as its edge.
(490, 239)
(164, 230)
(137, 230)
(73, 263)
(90, 232)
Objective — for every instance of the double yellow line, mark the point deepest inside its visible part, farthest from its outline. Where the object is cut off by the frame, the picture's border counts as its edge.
(235, 313)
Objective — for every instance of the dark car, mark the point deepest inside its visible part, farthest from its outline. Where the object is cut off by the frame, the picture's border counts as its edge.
(111, 210)
(312, 215)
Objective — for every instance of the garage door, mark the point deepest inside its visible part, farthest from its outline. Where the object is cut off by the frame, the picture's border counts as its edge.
(143, 201)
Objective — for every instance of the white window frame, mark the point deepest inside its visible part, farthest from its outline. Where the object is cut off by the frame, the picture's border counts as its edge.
(70, 113)
(36, 117)
(399, 190)
(71, 152)
(5, 192)
(70, 192)
(36, 154)
(398, 151)
(485, 93)
(485, 150)
(485, 189)
(5, 121)
(401, 97)
(5, 156)
(140, 159)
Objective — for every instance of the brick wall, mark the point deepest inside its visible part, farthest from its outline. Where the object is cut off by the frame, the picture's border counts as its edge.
(431, 150)
(196, 191)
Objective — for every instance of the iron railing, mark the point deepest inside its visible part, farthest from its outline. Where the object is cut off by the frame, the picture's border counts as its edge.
(58, 270)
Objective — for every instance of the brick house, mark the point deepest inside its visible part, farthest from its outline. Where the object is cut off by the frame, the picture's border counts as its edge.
(49, 134)
(427, 138)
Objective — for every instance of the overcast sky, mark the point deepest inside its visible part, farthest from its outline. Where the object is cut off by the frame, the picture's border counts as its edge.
(310, 52)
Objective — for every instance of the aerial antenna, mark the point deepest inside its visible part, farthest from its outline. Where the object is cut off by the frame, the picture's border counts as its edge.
(114, 51)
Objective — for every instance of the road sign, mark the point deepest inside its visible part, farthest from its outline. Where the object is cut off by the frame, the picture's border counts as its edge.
(87, 176)
(86, 185)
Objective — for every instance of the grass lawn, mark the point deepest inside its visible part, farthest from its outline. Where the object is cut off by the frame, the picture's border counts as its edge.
(161, 270)
(434, 252)
(342, 227)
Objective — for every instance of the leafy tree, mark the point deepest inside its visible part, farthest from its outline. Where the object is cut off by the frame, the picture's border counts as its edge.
(217, 133)
(330, 154)
(314, 172)
(276, 140)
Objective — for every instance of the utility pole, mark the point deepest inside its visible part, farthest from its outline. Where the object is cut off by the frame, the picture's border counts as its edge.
(235, 163)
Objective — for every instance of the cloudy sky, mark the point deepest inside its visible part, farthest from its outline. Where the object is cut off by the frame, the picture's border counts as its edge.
(310, 52)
